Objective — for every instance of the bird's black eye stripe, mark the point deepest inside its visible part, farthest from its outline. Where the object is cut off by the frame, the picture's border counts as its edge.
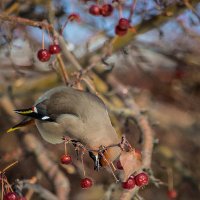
(92, 156)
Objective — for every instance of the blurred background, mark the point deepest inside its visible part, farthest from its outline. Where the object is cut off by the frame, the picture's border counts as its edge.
(157, 61)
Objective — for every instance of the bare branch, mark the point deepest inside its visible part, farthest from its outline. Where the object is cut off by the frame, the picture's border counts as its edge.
(42, 192)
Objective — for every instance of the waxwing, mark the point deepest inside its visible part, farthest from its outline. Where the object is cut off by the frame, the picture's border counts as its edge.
(80, 115)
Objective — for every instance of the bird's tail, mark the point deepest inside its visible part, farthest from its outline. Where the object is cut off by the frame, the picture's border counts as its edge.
(24, 122)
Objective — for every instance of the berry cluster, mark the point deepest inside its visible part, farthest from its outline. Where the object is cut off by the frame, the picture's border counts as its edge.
(140, 180)
(8, 193)
(44, 55)
(66, 159)
(105, 10)
(6, 189)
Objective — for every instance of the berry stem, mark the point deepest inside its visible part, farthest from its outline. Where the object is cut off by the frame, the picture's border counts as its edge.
(62, 68)
(42, 38)
(84, 174)
(132, 9)
(65, 148)
(116, 179)
(111, 163)
(10, 188)
(9, 166)
(63, 27)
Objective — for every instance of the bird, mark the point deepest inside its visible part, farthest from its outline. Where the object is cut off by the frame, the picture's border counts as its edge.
(80, 115)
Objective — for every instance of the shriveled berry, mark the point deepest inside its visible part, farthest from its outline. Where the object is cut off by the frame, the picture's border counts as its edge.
(54, 49)
(172, 194)
(141, 179)
(95, 10)
(106, 10)
(43, 55)
(119, 165)
(119, 31)
(129, 184)
(86, 183)
(74, 17)
(66, 159)
(10, 196)
(124, 23)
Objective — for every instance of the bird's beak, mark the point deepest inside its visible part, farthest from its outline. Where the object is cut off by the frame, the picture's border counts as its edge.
(97, 160)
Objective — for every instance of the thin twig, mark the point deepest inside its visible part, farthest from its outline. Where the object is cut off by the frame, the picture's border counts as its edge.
(63, 69)
(26, 22)
(9, 166)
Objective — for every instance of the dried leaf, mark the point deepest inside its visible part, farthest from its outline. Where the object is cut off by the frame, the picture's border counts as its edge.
(130, 163)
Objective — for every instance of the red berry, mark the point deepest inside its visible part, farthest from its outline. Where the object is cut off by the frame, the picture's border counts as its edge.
(141, 179)
(74, 17)
(119, 165)
(129, 184)
(106, 10)
(95, 10)
(43, 55)
(86, 183)
(66, 159)
(124, 23)
(172, 194)
(10, 196)
(54, 49)
(120, 31)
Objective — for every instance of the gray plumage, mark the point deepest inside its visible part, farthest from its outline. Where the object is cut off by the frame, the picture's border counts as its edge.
(77, 114)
